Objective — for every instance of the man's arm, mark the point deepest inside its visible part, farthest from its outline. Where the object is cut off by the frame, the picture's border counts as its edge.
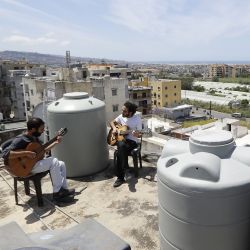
(137, 132)
(59, 139)
(17, 149)
(21, 153)
(113, 126)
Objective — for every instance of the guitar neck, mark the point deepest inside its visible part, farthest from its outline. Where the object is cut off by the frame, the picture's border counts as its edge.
(44, 146)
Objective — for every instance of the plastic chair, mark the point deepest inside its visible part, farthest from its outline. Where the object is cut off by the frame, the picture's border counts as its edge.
(136, 155)
(36, 178)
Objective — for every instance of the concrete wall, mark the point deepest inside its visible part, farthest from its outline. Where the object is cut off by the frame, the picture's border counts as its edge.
(7, 134)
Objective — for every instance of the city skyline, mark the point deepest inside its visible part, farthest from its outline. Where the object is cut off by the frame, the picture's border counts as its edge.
(132, 30)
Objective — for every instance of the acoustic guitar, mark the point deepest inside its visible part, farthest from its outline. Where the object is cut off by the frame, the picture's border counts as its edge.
(123, 130)
(22, 166)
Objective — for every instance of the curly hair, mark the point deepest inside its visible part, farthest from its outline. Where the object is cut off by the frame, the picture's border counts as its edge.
(131, 107)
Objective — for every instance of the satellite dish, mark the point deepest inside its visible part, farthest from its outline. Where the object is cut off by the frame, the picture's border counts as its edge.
(12, 115)
(40, 110)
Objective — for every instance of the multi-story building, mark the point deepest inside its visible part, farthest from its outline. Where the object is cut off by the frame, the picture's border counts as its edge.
(118, 71)
(220, 70)
(11, 89)
(237, 71)
(113, 91)
(141, 96)
(166, 93)
(40, 89)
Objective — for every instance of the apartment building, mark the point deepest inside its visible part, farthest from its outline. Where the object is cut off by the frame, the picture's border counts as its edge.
(142, 81)
(113, 91)
(141, 96)
(40, 89)
(118, 71)
(166, 93)
(237, 71)
(220, 70)
(11, 88)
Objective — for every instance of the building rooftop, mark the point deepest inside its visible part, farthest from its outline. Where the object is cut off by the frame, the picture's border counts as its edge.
(130, 211)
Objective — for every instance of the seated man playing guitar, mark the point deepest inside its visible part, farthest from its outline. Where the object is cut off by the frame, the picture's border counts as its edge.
(17, 152)
(134, 123)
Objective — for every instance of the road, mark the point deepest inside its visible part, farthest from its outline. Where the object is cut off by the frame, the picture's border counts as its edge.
(215, 114)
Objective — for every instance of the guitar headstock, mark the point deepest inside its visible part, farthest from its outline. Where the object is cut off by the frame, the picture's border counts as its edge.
(62, 131)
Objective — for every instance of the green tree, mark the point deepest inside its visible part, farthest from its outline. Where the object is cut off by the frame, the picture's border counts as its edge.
(215, 79)
(244, 103)
(187, 83)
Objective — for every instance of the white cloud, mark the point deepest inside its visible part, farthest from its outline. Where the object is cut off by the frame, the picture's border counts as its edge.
(65, 43)
(183, 20)
(32, 41)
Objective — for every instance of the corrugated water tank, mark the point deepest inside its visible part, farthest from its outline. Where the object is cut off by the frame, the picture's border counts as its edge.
(84, 148)
(204, 193)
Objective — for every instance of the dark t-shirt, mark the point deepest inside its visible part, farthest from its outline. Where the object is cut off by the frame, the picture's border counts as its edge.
(20, 142)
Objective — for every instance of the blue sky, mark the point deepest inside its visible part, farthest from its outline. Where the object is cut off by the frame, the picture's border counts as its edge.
(133, 30)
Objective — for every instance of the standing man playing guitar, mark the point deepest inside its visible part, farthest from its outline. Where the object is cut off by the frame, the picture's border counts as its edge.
(17, 150)
(134, 123)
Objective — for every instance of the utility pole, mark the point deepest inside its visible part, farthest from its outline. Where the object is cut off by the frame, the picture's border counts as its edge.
(210, 109)
(68, 61)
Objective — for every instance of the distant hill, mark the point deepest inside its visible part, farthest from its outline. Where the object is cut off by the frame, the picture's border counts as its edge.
(56, 60)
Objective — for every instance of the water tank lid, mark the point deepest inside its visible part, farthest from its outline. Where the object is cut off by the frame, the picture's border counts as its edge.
(76, 95)
(75, 102)
(211, 138)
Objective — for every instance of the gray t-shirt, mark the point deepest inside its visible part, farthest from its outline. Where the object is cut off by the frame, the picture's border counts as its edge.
(20, 142)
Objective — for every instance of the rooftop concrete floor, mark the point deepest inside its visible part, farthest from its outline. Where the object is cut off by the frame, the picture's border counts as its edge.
(130, 211)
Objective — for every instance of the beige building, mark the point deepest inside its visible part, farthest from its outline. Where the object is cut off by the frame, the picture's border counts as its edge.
(166, 93)
(220, 70)
(237, 71)
(11, 88)
(41, 89)
(100, 70)
(142, 81)
(113, 91)
(141, 96)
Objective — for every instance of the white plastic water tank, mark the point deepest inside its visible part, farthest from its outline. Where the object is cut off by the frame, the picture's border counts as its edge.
(84, 148)
(204, 193)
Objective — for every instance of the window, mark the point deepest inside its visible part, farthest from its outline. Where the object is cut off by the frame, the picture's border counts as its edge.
(159, 95)
(159, 88)
(174, 94)
(166, 103)
(166, 87)
(114, 92)
(134, 95)
(144, 95)
(175, 86)
(159, 103)
(115, 108)
(31, 92)
(166, 95)
(155, 102)
(154, 94)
